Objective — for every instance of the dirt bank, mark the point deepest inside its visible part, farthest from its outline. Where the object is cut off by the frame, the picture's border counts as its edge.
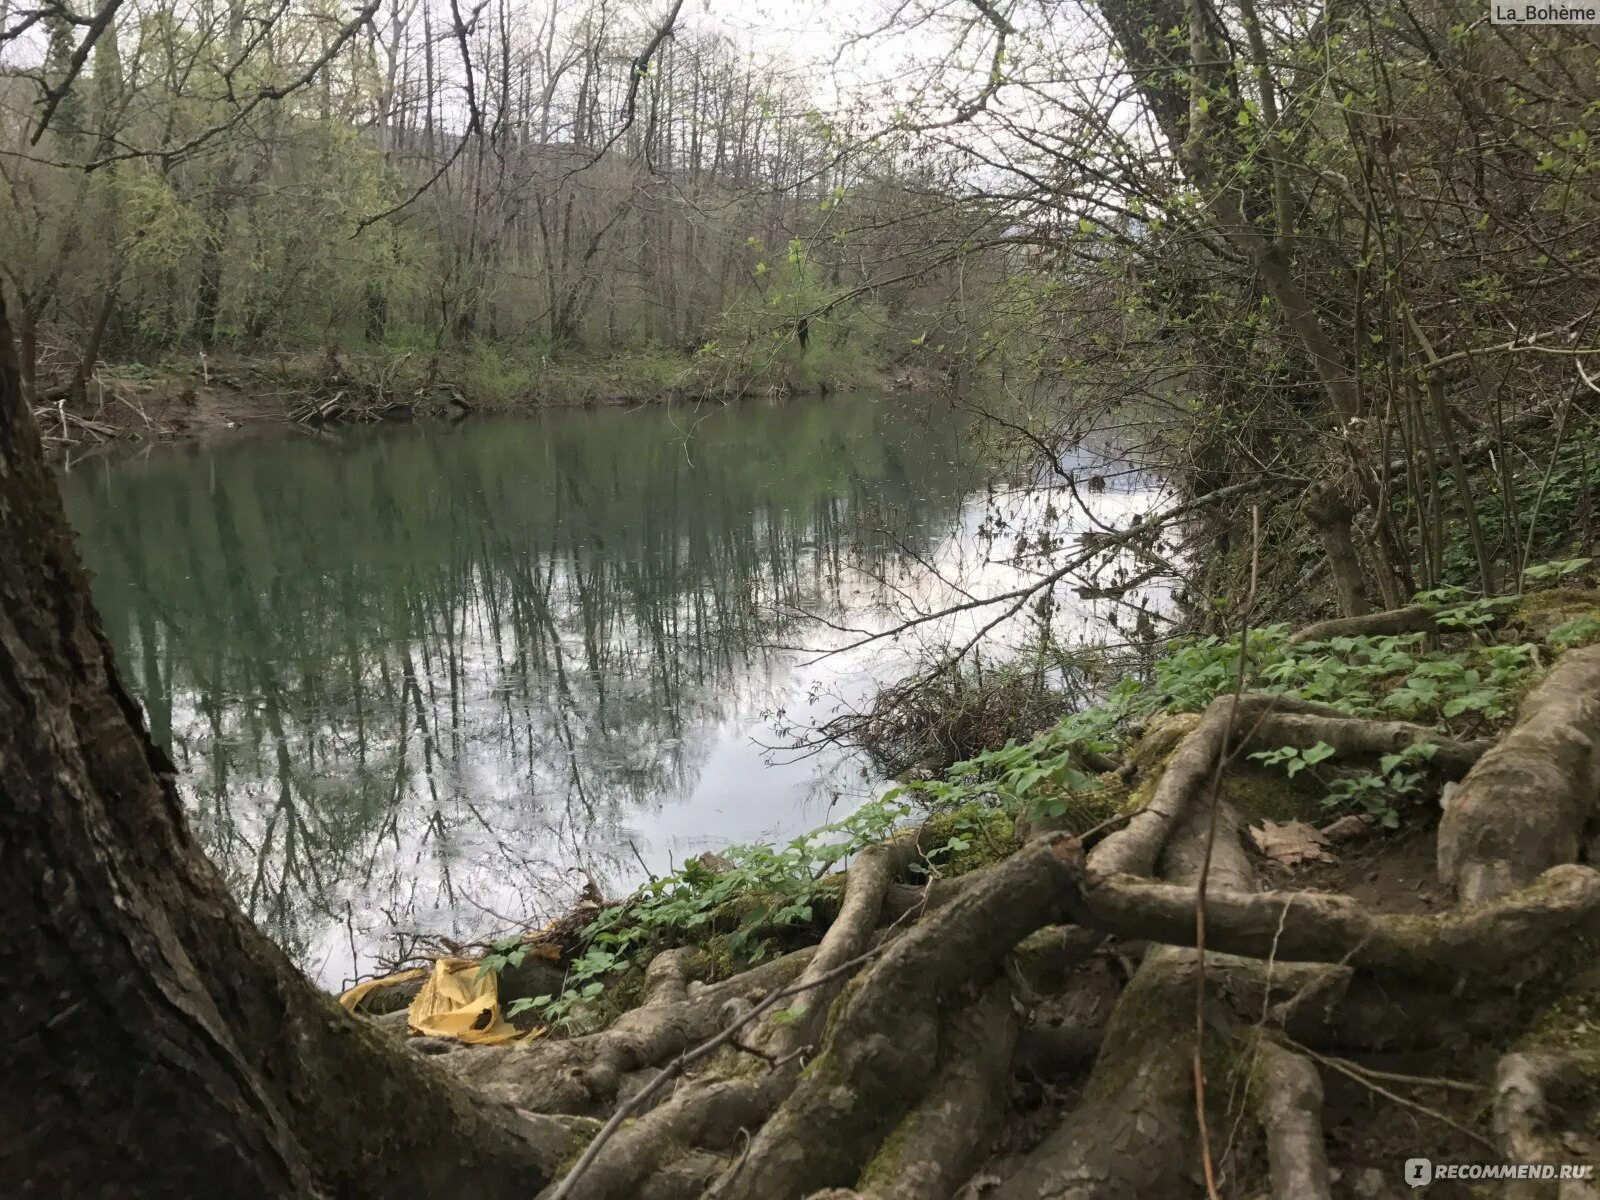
(212, 395)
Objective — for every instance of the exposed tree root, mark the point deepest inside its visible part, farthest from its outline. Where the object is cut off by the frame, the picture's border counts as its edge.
(889, 1080)
(1133, 1133)
(1133, 849)
(707, 1113)
(1524, 807)
(941, 1141)
(1044, 961)
(1413, 618)
(884, 1044)
(1524, 1122)
(1493, 942)
(582, 1075)
(1291, 1114)
(684, 1178)
(902, 898)
(1360, 738)
(1228, 723)
(868, 882)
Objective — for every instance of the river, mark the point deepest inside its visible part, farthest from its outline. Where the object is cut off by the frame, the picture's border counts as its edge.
(426, 680)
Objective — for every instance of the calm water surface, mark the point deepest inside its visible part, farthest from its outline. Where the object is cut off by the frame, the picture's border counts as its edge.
(421, 679)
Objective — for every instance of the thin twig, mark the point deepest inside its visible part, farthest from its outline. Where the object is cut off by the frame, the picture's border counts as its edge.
(1350, 1072)
(1206, 1162)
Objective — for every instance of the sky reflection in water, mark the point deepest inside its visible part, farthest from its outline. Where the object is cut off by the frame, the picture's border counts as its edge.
(415, 678)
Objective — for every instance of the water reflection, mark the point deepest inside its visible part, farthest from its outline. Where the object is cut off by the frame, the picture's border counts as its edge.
(412, 676)
(419, 679)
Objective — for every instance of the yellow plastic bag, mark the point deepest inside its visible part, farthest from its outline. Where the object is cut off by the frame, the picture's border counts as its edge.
(352, 999)
(461, 1001)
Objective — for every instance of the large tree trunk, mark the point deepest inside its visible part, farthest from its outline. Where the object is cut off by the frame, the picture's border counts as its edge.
(157, 1044)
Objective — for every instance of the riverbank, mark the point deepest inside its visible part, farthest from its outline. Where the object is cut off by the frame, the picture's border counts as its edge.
(1040, 903)
(195, 396)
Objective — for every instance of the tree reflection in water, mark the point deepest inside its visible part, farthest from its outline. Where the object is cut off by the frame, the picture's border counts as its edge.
(423, 679)
(414, 678)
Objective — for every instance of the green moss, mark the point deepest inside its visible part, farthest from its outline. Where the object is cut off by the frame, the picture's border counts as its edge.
(1152, 1009)
(731, 1063)
(734, 912)
(724, 962)
(1550, 599)
(623, 993)
(1150, 755)
(988, 834)
(836, 1011)
(1257, 793)
(1161, 738)
(581, 1131)
(886, 1163)
(1540, 614)
(1149, 1041)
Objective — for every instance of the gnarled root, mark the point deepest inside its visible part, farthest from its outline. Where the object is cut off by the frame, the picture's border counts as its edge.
(1228, 724)
(703, 1114)
(1358, 737)
(870, 876)
(1134, 848)
(1523, 808)
(1523, 1119)
(912, 1031)
(684, 1178)
(940, 1141)
(1133, 1133)
(582, 1075)
(883, 1046)
(1483, 943)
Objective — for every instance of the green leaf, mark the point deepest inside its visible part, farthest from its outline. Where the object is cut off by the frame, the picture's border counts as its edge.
(1318, 753)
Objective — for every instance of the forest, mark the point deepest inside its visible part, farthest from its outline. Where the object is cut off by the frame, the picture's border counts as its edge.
(477, 198)
(1196, 402)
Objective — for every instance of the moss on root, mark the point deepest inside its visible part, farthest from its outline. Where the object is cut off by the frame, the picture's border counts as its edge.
(1540, 613)
(1149, 756)
(725, 961)
(886, 1163)
(989, 836)
(1557, 598)
(1161, 738)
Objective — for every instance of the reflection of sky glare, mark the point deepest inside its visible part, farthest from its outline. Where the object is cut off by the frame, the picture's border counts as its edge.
(527, 781)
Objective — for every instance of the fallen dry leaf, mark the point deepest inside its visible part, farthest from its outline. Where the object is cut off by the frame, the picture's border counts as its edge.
(1292, 843)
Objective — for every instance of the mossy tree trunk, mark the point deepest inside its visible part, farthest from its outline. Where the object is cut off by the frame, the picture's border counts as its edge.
(157, 1043)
